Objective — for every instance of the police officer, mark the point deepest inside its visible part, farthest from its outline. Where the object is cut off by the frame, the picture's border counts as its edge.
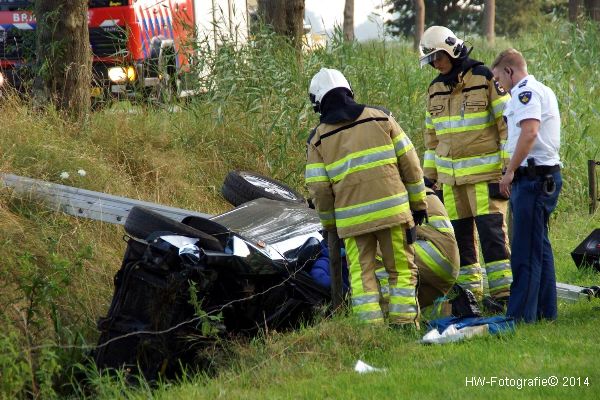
(364, 176)
(533, 180)
(464, 139)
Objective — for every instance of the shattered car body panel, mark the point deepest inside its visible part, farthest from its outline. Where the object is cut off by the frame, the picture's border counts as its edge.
(280, 226)
(258, 281)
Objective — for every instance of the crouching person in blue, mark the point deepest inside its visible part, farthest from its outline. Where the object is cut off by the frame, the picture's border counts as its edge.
(365, 178)
(533, 181)
(320, 269)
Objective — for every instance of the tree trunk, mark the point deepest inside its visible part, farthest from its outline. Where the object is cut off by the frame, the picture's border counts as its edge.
(593, 9)
(489, 19)
(285, 17)
(349, 21)
(575, 10)
(419, 21)
(64, 60)
(295, 21)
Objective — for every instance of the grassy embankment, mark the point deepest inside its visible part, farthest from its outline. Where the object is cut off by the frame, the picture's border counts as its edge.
(57, 271)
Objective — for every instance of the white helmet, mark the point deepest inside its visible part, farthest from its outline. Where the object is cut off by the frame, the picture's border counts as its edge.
(324, 81)
(436, 39)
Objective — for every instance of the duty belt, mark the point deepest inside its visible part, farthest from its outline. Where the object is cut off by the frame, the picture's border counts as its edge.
(540, 170)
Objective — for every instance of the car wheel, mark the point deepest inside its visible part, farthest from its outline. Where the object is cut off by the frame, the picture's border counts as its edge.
(243, 186)
(141, 222)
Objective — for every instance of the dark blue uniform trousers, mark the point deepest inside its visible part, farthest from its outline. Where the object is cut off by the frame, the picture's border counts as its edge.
(533, 290)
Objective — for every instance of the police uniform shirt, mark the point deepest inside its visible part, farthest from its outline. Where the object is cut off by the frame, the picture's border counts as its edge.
(533, 100)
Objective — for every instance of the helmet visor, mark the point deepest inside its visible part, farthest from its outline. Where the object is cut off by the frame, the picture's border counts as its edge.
(430, 56)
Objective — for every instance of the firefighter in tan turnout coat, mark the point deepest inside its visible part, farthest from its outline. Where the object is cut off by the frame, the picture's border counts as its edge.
(366, 181)
(464, 139)
(436, 254)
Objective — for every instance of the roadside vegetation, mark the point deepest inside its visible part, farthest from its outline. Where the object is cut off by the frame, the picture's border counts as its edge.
(56, 271)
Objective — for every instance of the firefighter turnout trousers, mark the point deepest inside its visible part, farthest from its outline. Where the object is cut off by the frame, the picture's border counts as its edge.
(472, 209)
(398, 260)
(437, 274)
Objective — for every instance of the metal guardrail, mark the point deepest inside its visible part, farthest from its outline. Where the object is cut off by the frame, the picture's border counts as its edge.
(573, 293)
(86, 203)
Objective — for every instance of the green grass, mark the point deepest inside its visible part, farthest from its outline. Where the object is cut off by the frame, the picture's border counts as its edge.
(318, 362)
(57, 271)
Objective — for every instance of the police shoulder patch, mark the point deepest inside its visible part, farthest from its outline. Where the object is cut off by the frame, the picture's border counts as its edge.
(523, 84)
(499, 89)
(525, 96)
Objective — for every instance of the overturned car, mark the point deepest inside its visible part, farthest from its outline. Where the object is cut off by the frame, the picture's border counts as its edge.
(183, 285)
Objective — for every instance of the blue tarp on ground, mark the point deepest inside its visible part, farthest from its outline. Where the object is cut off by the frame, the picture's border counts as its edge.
(497, 324)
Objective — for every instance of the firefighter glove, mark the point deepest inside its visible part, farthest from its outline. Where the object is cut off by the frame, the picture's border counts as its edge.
(419, 216)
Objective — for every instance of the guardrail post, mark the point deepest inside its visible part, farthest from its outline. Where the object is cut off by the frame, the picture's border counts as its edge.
(335, 271)
(593, 185)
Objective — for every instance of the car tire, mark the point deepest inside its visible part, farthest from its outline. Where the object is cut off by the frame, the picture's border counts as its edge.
(141, 222)
(242, 186)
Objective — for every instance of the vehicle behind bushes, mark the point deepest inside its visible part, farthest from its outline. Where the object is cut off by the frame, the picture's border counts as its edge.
(142, 49)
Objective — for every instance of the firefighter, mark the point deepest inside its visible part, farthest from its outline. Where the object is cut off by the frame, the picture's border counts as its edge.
(436, 254)
(364, 176)
(465, 136)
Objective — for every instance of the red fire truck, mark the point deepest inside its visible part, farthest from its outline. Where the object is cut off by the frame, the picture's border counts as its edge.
(139, 46)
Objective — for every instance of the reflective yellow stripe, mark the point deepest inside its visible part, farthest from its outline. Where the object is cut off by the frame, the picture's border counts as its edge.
(450, 202)
(428, 122)
(317, 179)
(501, 100)
(458, 117)
(499, 104)
(469, 165)
(416, 191)
(458, 123)
(440, 223)
(482, 198)
(503, 152)
(373, 216)
(357, 154)
(402, 144)
(500, 288)
(402, 304)
(400, 261)
(499, 275)
(327, 218)
(360, 161)
(364, 304)
(470, 277)
(429, 159)
(466, 128)
(500, 284)
(354, 267)
(315, 173)
(423, 250)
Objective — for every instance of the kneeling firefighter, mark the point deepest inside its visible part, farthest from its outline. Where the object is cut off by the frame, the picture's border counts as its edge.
(436, 254)
(365, 178)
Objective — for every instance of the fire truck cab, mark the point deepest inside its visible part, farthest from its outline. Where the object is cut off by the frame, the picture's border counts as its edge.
(141, 48)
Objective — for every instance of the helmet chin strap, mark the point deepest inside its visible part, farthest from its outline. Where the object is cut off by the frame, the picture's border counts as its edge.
(469, 50)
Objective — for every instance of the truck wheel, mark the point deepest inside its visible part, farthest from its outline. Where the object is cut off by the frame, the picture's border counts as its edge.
(141, 222)
(243, 186)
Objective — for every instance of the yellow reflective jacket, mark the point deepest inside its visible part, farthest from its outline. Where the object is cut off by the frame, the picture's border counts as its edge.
(465, 133)
(436, 244)
(364, 175)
